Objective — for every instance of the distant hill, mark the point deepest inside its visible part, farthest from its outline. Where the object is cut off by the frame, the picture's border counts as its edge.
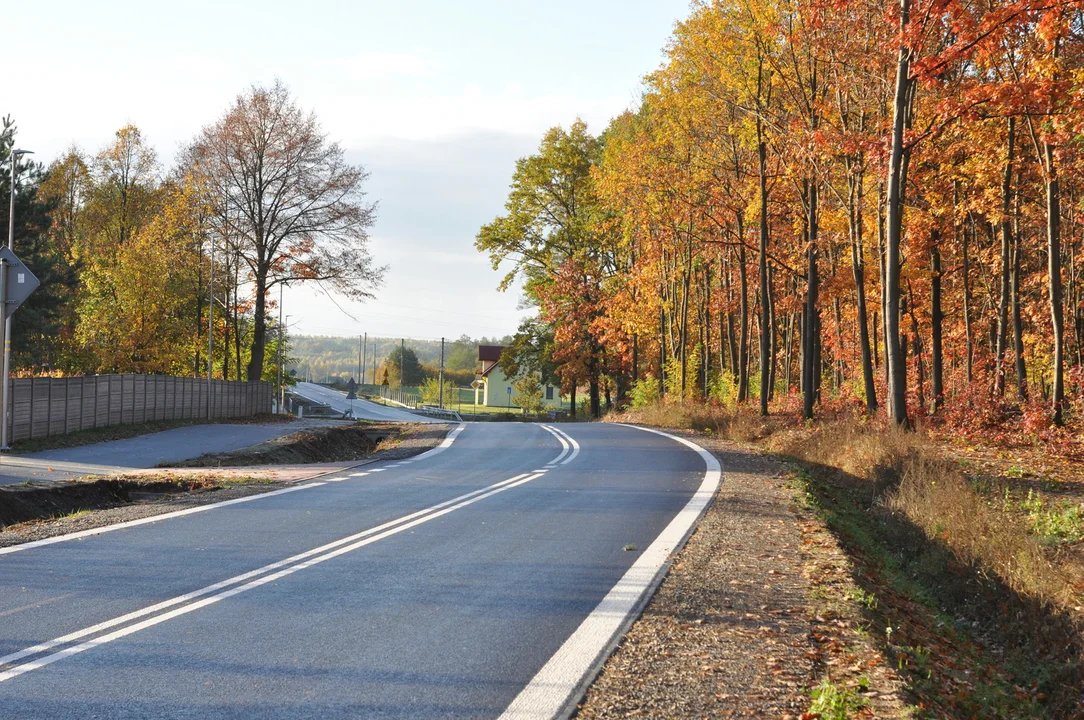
(321, 356)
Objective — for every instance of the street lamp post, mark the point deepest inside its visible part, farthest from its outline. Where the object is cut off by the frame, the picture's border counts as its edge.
(282, 357)
(15, 154)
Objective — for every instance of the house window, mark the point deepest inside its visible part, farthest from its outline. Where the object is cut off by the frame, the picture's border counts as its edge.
(549, 392)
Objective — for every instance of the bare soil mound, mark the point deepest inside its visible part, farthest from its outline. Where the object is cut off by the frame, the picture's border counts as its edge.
(315, 445)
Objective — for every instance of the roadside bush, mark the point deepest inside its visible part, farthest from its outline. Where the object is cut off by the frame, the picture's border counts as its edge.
(430, 391)
(644, 393)
(724, 389)
(673, 374)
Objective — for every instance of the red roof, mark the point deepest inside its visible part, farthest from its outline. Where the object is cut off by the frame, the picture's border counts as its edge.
(490, 353)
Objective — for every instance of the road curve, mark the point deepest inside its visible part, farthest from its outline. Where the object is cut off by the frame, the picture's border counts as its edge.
(450, 585)
(362, 409)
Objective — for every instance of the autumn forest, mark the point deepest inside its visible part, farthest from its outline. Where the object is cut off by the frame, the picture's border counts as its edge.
(822, 204)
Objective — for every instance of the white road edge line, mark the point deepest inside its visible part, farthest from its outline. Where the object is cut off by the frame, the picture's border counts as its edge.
(152, 518)
(557, 687)
(384, 530)
(447, 443)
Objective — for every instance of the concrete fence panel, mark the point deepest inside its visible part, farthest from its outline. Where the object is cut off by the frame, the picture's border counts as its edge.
(41, 407)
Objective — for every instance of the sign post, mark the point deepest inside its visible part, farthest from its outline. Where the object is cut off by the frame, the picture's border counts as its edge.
(351, 386)
(16, 284)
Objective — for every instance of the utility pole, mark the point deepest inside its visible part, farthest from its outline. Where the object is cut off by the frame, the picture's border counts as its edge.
(211, 328)
(402, 361)
(361, 344)
(441, 403)
(282, 394)
(364, 357)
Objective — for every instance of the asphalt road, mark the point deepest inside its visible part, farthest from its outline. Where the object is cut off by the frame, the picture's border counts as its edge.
(451, 585)
(145, 451)
(363, 409)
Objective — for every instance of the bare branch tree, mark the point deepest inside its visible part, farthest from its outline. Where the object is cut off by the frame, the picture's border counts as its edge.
(297, 209)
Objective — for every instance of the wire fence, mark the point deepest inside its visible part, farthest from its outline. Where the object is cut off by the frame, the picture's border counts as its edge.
(405, 399)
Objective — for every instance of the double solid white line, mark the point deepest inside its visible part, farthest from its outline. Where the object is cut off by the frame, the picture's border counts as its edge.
(94, 636)
(567, 443)
(189, 602)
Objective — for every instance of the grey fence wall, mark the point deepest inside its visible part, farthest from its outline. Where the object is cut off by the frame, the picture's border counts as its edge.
(40, 407)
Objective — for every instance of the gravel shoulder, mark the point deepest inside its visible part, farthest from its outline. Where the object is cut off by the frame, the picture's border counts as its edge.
(210, 486)
(757, 609)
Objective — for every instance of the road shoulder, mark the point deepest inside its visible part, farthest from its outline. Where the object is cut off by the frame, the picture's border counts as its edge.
(757, 610)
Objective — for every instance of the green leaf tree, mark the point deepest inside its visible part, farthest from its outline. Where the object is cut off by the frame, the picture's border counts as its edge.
(528, 393)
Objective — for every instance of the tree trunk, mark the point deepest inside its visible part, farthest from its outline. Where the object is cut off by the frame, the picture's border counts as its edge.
(662, 351)
(259, 330)
(684, 349)
(1018, 324)
(937, 318)
(765, 303)
(773, 348)
(859, 272)
(743, 342)
(897, 371)
(969, 338)
(882, 261)
(593, 391)
(705, 363)
(811, 339)
(1006, 260)
(1053, 256)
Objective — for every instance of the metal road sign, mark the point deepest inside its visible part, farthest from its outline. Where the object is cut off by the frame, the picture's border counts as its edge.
(476, 384)
(351, 385)
(20, 281)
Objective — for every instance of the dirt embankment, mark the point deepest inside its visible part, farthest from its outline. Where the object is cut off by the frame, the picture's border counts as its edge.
(321, 444)
(22, 503)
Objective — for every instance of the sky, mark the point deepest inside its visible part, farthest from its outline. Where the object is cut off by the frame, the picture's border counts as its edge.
(436, 99)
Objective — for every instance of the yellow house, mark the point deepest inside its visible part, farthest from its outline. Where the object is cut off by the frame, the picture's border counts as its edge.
(494, 389)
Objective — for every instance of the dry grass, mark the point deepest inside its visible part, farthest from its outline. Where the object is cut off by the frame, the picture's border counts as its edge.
(899, 470)
(885, 466)
(935, 497)
(949, 564)
(725, 422)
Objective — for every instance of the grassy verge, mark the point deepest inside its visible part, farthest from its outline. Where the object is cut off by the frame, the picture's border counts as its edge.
(965, 591)
(122, 432)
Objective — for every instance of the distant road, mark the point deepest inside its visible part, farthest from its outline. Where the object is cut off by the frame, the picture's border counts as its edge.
(479, 580)
(142, 452)
(363, 409)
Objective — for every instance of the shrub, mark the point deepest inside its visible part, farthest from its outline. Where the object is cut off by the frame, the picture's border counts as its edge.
(645, 392)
